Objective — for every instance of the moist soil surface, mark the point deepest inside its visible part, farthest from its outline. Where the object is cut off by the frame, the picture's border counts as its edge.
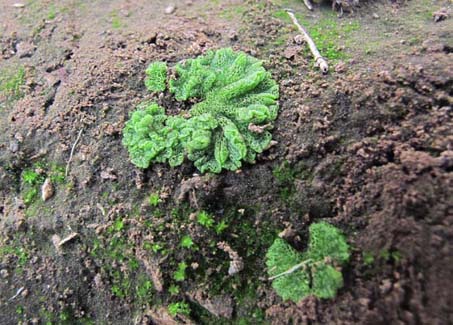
(367, 147)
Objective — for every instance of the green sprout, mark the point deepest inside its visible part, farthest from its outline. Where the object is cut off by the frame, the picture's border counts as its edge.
(154, 199)
(29, 176)
(368, 258)
(117, 226)
(173, 290)
(181, 308)
(220, 227)
(30, 195)
(186, 242)
(156, 247)
(144, 288)
(205, 219)
(180, 274)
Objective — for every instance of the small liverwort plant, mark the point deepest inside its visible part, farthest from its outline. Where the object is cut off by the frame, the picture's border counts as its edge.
(204, 219)
(180, 273)
(180, 307)
(315, 272)
(236, 104)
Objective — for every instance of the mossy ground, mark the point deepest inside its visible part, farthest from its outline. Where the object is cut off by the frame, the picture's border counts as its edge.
(97, 53)
(12, 79)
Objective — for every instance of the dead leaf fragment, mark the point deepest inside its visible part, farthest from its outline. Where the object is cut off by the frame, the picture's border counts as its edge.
(440, 15)
(47, 190)
(236, 262)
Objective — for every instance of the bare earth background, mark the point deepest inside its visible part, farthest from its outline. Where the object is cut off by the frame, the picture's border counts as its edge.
(368, 147)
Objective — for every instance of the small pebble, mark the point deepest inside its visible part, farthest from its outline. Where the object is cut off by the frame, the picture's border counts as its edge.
(299, 39)
(170, 9)
(4, 273)
(14, 146)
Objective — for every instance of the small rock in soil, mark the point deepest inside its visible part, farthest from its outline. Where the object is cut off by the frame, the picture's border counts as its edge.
(291, 52)
(220, 306)
(440, 15)
(108, 174)
(299, 39)
(233, 36)
(4, 273)
(14, 146)
(340, 67)
(25, 49)
(385, 286)
(170, 9)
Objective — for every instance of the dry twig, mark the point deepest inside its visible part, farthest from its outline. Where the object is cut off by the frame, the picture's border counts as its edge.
(307, 3)
(70, 237)
(18, 292)
(72, 152)
(320, 61)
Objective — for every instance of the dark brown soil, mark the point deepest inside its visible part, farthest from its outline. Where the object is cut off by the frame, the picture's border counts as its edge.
(368, 147)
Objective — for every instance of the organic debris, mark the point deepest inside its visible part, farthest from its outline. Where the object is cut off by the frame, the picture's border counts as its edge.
(47, 190)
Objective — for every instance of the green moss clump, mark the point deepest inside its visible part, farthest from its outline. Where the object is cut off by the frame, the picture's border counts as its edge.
(180, 273)
(186, 242)
(154, 199)
(156, 77)
(205, 219)
(11, 83)
(32, 179)
(180, 307)
(327, 242)
(280, 258)
(237, 104)
(297, 275)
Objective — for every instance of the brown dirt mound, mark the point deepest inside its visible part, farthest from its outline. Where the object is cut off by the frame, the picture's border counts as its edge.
(368, 147)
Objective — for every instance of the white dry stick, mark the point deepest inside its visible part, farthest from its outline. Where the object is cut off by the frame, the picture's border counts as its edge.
(320, 61)
(100, 207)
(308, 4)
(72, 152)
(291, 270)
(18, 292)
(68, 238)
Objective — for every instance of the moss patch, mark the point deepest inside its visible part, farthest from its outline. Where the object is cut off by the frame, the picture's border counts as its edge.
(11, 82)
